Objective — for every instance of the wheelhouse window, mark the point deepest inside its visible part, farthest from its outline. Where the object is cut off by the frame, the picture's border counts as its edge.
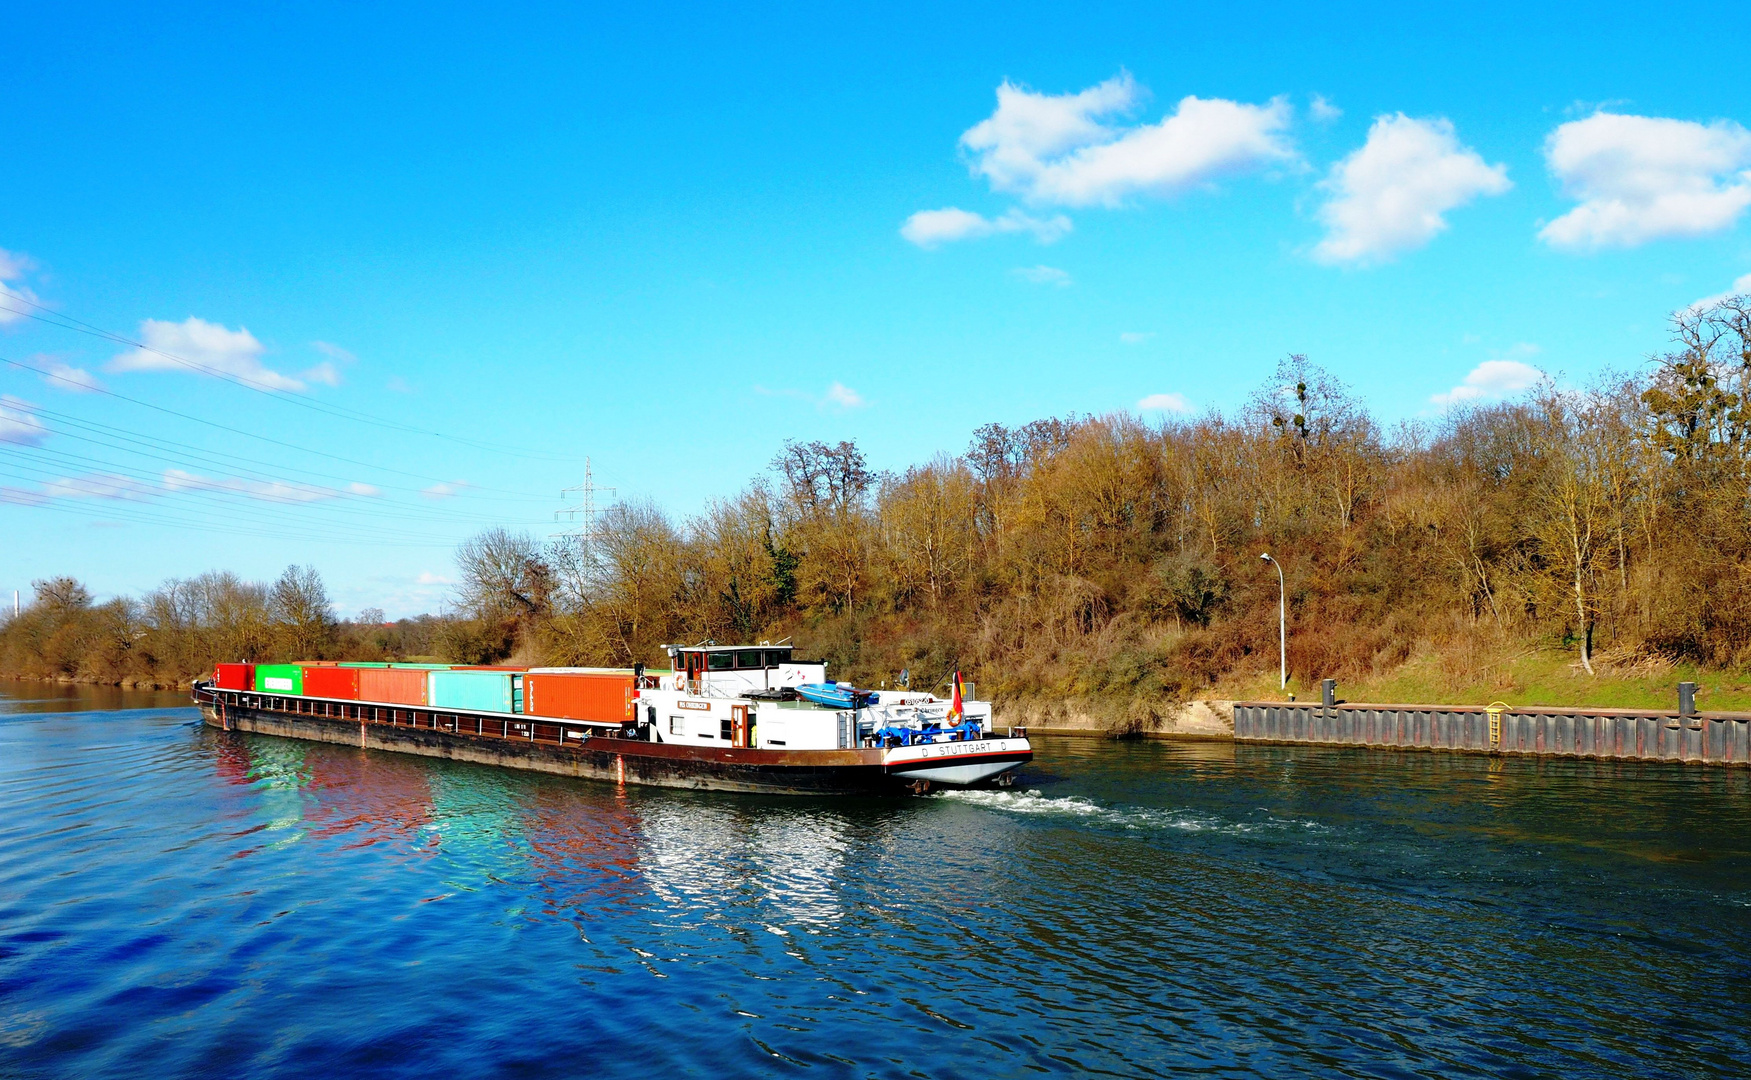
(750, 658)
(777, 657)
(720, 661)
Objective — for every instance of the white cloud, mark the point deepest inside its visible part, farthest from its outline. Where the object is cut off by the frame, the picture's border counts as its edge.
(99, 486)
(325, 373)
(13, 266)
(207, 345)
(1173, 403)
(19, 424)
(1642, 178)
(444, 491)
(334, 352)
(1135, 337)
(1322, 110)
(282, 491)
(1493, 379)
(66, 377)
(928, 228)
(843, 397)
(1740, 287)
(428, 578)
(1065, 148)
(1389, 196)
(838, 396)
(368, 491)
(1043, 275)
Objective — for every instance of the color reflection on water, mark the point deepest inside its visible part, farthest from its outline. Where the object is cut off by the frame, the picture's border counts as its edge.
(177, 901)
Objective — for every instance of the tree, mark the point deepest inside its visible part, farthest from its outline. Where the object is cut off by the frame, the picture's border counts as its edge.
(303, 617)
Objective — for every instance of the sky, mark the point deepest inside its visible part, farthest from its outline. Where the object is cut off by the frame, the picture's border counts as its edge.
(340, 285)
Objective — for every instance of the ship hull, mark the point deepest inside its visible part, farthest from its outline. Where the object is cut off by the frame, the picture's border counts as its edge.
(458, 736)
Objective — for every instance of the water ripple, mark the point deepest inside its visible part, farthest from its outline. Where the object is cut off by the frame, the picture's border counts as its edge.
(176, 901)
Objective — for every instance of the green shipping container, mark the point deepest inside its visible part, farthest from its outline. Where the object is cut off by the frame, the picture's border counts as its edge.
(477, 691)
(279, 679)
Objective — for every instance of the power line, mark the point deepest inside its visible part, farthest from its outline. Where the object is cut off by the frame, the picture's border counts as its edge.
(250, 434)
(64, 321)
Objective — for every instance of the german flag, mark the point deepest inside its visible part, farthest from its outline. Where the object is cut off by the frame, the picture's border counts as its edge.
(955, 702)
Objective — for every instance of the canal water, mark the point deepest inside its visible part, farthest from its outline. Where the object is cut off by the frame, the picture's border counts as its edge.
(179, 902)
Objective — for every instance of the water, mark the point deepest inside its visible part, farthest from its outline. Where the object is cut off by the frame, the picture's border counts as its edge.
(176, 901)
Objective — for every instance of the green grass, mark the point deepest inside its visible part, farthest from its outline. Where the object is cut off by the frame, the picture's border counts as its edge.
(1535, 678)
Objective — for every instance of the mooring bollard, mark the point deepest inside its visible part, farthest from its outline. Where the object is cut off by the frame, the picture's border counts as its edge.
(1328, 692)
(1686, 699)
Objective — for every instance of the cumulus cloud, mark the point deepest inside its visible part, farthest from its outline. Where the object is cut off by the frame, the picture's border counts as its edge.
(112, 486)
(1493, 380)
(1322, 110)
(1390, 196)
(281, 491)
(1173, 403)
(1740, 287)
(928, 228)
(844, 397)
(13, 266)
(1043, 275)
(19, 424)
(209, 347)
(1642, 178)
(443, 490)
(325, 373)
(838, 396)
(1073, 149)
(64, 376)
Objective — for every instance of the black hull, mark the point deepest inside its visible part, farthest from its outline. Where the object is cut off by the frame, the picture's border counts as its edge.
(444, 734)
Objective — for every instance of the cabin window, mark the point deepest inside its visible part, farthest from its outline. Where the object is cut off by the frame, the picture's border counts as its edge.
(724, 731)
(720, 661)
(778, 658)
(749, 659)
(677, 725)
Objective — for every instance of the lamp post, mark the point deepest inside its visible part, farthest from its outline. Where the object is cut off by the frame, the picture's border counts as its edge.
(1282, 623)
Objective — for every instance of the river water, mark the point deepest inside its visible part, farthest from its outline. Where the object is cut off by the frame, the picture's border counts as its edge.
(176, 901)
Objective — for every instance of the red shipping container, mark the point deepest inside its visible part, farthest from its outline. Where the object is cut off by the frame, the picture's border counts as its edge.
(392, 686)
(234, 676)
(331, 682)
(603, 698)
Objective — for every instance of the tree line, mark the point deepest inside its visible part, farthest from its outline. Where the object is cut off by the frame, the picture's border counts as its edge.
(1111, 559)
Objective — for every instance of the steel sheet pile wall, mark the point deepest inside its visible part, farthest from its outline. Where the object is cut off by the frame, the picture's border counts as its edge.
(1719, 739)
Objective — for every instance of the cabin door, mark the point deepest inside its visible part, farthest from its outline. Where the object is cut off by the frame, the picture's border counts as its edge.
(739, 725)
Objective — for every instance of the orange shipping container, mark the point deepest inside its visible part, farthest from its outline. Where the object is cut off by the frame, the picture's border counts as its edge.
(392, 686)
(604, 698)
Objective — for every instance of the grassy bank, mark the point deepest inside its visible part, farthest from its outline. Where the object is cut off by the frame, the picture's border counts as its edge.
(1532, 677)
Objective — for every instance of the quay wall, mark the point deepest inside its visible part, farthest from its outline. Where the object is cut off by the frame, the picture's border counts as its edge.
(1607, 734)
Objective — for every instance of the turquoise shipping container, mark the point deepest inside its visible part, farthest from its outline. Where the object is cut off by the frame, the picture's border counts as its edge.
(477, 691)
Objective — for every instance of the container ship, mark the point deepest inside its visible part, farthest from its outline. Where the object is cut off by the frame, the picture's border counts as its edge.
(723, 717)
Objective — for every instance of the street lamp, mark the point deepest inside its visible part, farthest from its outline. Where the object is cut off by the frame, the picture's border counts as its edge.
(1282, 622)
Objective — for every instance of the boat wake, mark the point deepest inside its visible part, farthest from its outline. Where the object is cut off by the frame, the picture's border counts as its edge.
(1035, 803)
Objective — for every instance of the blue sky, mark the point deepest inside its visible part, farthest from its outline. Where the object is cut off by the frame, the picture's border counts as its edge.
(670, 238)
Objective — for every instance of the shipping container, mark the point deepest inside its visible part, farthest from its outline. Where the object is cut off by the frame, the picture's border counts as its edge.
(363, 663)
(331, 682)
(234, 676)
(392, 686)
(279, 679)
(479, 691)
(602, 696)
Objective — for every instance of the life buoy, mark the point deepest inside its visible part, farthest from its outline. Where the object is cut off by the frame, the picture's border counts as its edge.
(680, 681)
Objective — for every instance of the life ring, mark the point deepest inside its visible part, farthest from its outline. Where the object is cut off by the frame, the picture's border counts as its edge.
(680, 681)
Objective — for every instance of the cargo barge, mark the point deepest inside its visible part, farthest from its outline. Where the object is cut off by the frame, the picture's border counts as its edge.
(725, 718)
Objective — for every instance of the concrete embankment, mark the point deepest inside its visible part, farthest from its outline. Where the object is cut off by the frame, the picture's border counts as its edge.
(1607, 734)
(1208, 719)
